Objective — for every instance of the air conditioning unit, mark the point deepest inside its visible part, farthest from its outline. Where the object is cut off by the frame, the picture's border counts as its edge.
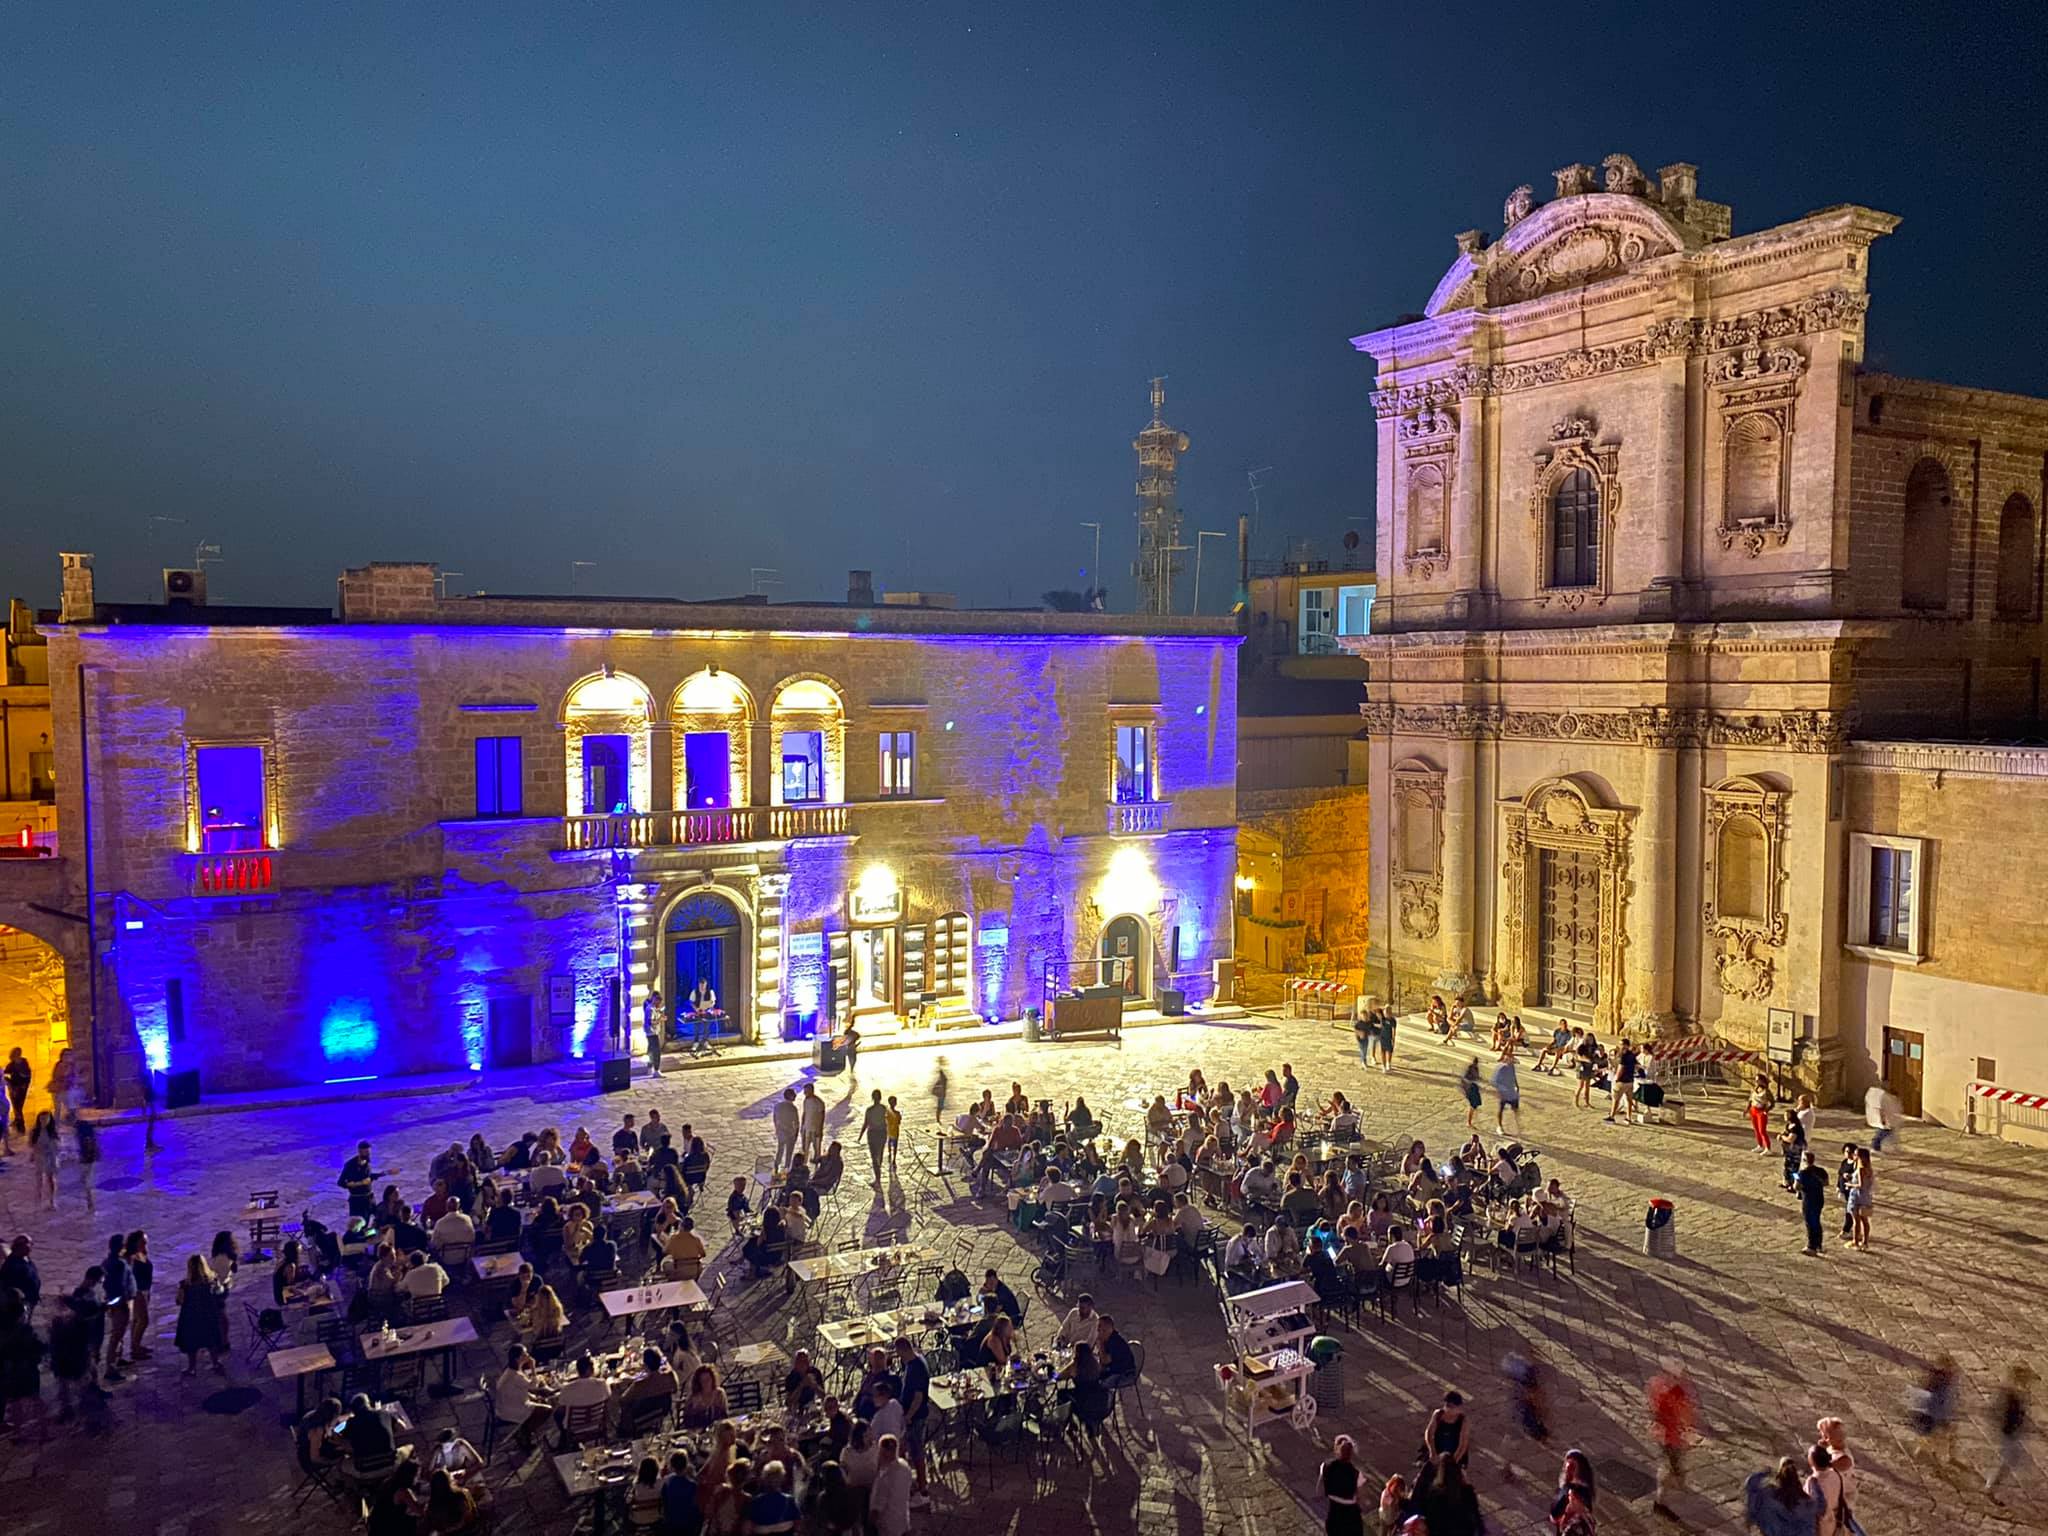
(185, 588)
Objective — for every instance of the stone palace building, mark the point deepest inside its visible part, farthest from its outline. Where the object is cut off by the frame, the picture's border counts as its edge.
(1702, 661)
(427, 833)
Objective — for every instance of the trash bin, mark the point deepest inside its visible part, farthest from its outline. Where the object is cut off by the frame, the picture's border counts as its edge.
(1033, 1030)
(828, 1055)
(1326, 1381)
(1660, 1230)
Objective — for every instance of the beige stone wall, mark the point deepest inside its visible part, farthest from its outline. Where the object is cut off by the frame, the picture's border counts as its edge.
(1319, 841)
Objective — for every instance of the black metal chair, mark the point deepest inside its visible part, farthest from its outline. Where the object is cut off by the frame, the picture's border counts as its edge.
(268, 1330)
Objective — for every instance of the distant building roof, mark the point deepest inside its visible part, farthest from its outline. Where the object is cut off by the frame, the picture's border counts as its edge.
(1263, 692)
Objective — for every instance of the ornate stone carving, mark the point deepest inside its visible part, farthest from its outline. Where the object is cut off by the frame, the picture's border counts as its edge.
(1816, 731)
(1432, 419)
(1837, 309)
(1471, 241)
(1741, 969)
(1520, 204)
(1749, 364)
(1561, 814)
(1623, 175)
(1572, 449)
(1417, 853)
(1756, 389)
(1573, 179)
(1758, 807)
(1429, 455)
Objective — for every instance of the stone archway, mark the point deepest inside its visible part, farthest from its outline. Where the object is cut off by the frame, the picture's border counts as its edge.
(1560, 831)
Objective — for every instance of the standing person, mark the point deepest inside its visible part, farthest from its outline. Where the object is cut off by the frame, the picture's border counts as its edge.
(19, 1075)
(1448, 1434)
(1623, 1103)
(1761, 1102)
(703, 1003)
(784, 1119)
(116, 1287)
(1531, 1396)
(1845, 1184)
(1588, 1063)
(940, 1084)
(811, 1118)
(1468, 1085)
(1813, 1199)
(1672, 1409)
(1507, 1088)
(359, 1177)
(1824, 1487)
(202, 1323)
(1340, 1489)
(650, 1026)
(88, 1137)
(149, 1111)
(1571, 1511)
(874, 1130)
(1387, 1021)
(850, 1043)
(1863, 1197)
(1792, 1142)
(141, 1278)
(1446, 1500)
(43, 1149)
(2010, 1419)
(1365, 1031)
(1882, 1113)
(889, 1496)
(895, 1139)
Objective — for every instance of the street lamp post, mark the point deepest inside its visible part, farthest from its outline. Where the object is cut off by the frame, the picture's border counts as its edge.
(1095, 565)
(1201, 534)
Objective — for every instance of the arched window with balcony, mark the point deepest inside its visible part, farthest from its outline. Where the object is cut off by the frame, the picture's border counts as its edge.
(2017, 542)
(808, 721)
(1929, 536)
(606, 721)
(1575, 531)
(713, 715)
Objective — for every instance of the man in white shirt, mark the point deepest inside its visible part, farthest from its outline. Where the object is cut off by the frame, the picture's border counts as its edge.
(1187, 1220)
(1399, 1250)
(1173, 1178)
(812, 1118)
(1882, 1113)
(1079, 1327)
(516, 1400)
(455, 1230)
(785, 1117)
(587, 1387)
(424, 1279)
(1243, 1251)
(889, 1498)
(888, 1418)
(1056, 1190)
(1280, 1239)
(1260, 1183)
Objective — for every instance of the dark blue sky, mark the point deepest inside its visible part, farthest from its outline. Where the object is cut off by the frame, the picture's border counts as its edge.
(681, 290)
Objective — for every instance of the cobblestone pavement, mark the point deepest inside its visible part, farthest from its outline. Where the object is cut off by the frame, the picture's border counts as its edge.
(1773, 1339)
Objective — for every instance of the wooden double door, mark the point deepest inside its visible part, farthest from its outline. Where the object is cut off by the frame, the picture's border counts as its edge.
(1568, 930)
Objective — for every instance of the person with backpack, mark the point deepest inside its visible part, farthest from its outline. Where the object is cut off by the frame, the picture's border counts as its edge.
(1825, 1487)
(1571, 1512)
(1777, 1503)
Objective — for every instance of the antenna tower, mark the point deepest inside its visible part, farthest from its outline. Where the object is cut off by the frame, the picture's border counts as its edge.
(1159, 449)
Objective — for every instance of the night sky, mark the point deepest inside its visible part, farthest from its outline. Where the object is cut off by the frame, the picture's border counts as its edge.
(681, 290)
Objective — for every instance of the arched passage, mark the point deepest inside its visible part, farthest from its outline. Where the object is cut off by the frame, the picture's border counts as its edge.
(34, 1009)
(707, 936)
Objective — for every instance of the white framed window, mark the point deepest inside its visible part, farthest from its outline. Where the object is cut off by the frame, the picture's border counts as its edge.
(1133, 764)
(899, 764)
(1318, 630)
(1887, 897)
(1354, 610)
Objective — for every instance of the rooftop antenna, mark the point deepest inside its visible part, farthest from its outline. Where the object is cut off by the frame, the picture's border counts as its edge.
(205, 553)
(576, 570)
(441, 580)
(1159, 448)
(1252, 478)
(761, 578)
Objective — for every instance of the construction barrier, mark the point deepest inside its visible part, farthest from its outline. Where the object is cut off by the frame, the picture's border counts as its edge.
(1988, 1109)
(1314, 999)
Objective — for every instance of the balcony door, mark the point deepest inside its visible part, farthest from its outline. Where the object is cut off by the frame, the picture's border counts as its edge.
(707, 770)
(604, 774)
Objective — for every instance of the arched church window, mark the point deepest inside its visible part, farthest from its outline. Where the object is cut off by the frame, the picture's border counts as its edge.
(1575, 531)
(1741, 869)
(2016, 543)
(1924, 566)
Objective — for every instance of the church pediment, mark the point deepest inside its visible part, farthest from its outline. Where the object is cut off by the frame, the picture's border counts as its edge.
(1566, 244)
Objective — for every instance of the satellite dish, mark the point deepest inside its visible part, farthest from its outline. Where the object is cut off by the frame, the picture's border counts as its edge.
(1351, 539)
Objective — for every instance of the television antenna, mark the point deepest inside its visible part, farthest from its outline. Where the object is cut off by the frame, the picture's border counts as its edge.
(441, 580)
(576, 570)
(1254, 479)
(761, 577)
(205, 553)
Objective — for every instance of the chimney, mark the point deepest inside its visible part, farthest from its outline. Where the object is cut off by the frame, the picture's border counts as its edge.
(1678, 184)
(860, 589)
(388, 592)
(78, 604)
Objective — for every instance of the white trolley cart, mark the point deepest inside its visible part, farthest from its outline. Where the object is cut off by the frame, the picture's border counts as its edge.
(1269, 1333)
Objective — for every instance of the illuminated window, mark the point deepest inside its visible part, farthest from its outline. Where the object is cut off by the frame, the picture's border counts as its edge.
(1887, 905)
(803, 767)
(899, 764)
(1133, 764)
(1318, 631)
(232, 809)
(499, 790)
(1891, 898)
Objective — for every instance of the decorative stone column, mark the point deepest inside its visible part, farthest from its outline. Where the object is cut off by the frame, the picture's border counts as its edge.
(1460, 754)
(1654, 868)
(1467, 497)
(770, 891)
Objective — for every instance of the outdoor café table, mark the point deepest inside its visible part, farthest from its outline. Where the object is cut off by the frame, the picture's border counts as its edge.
(257, 1217)
(313, 1295)
(496, 1266)
(859, 1261)
(596, 1470)
(637, 1203)
(297, 1364)
(442, 1338)
(752, 1357)
(653, 1298)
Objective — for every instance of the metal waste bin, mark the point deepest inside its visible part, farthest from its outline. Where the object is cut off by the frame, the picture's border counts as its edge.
(828, 1055)
(1660, 1230)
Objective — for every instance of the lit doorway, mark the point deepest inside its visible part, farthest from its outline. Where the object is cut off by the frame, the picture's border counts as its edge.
(1128, 955)
(704, 944)
(875, 980)
(32, 1012)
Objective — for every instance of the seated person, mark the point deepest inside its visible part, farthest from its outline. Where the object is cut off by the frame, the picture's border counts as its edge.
(545, 1320)
(504, 1223)
(1355, 1256)
(454, 1230)
(370, 1433)
(993, 1288)
(737, 1206)
(1113, 1350)
(290, 1271)
(1399, 1251)
(1425, 1185)
(1261, 1184)
(1244, 1251)
(423, 1278)
(803, 1384)
(683, 1248)
(1188, 1224)
(1380, 1218)
(1055, 1188)
(601, 1254)
(323, 1447)
(1299, 1204)
(654, 1383)
(585, 1390)
(769, 1247)
(831, 1168)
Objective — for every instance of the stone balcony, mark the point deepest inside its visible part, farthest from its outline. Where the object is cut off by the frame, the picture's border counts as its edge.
(243, 872)
(1131, 816)
(685, 829)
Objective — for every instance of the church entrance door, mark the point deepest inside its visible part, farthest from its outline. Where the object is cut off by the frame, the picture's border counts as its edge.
(1568, 941)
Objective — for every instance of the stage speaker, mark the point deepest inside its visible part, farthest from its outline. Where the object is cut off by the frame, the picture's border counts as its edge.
(1173, 1002)
(614, 1074)
(179, 1090)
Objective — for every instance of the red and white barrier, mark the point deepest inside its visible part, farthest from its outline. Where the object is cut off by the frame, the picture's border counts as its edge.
(2009, 1096)
(1697, 1050)
(1311, 998)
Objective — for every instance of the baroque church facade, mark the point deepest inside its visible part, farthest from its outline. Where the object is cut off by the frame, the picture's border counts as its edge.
(1679, 613)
